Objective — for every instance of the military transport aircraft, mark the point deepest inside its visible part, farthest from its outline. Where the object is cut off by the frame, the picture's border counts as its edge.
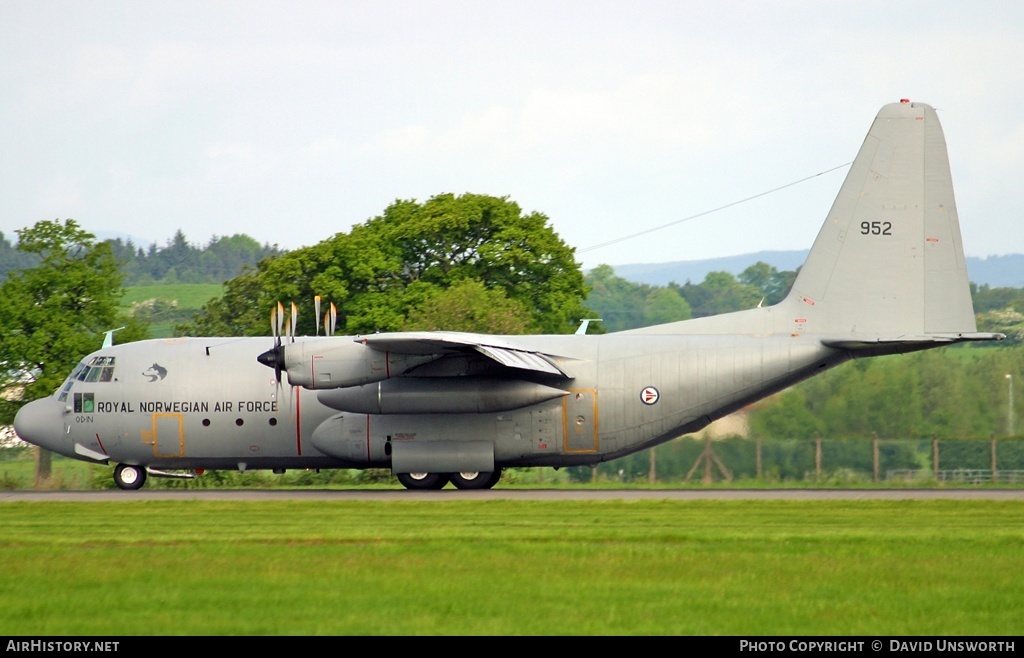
(886, 275)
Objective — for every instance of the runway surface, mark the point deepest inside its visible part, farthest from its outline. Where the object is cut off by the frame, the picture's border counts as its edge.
(514, 494)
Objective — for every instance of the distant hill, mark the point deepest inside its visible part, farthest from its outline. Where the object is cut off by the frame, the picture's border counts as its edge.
(996, 271)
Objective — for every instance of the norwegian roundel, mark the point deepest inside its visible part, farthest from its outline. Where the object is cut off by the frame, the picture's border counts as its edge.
(649, 395)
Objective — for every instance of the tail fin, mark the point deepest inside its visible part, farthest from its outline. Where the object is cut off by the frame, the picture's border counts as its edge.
(888, 265)
(889, 259)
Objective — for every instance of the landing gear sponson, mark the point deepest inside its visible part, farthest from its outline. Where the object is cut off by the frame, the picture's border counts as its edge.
(436, 481)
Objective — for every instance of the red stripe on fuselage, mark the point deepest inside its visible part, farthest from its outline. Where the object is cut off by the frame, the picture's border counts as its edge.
(298, 419)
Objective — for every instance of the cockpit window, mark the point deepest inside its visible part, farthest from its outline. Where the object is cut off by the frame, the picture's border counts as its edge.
(69, 381)
(99, 369)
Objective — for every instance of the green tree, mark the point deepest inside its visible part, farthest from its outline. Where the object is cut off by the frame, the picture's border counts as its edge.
(720, 292)
(620, 304)
(987, 298)
(382, 271)
(1007, 320)
(469, 306)
(665, 305)
(55, 313)
(11, 258)
(235, 313)
(770, 281)
(785, 416)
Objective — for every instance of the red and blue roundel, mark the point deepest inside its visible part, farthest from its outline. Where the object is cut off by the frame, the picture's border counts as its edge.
(649, 395)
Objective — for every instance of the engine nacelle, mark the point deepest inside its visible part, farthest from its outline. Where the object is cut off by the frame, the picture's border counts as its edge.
(340, 362)
(345, 436)
(438, 395)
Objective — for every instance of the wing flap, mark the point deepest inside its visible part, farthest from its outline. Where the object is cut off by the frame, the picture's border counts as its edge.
(519, 359)
(502, 351)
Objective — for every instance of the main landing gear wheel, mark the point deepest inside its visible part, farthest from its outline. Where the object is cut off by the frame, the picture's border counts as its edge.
(475, 480)
(129, 477)
(423, 481)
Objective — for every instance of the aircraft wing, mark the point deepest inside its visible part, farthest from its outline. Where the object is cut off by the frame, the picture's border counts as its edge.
(507, 353)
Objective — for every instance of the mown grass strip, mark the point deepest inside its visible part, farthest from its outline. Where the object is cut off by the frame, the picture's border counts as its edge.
(512, 568)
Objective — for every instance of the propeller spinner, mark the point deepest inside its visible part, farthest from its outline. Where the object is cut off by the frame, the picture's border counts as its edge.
(281, 327)
(274, 357)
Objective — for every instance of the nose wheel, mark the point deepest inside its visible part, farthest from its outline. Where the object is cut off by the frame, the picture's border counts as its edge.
(129, 477)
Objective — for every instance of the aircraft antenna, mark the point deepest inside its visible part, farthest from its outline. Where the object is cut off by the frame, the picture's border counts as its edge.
(584, 323)
(108, 336)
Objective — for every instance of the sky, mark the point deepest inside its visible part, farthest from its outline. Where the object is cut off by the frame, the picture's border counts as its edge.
(646, 131)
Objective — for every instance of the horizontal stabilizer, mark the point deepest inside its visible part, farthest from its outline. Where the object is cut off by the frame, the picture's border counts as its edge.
(907, 343)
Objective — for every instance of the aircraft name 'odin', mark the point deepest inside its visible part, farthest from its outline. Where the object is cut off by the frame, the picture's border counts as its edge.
(886, 275)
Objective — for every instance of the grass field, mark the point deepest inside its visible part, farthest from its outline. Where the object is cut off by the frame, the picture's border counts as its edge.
(188, 295)
(174, 303)
(512, 568)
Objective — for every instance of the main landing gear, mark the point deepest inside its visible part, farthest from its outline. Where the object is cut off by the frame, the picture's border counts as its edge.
(436, 481)
(129, 477)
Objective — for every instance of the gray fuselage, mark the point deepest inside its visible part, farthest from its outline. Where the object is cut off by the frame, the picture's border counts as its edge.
(206, 403)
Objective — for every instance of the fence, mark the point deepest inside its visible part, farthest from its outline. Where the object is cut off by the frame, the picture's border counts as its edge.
(706, 460)
(960, 475)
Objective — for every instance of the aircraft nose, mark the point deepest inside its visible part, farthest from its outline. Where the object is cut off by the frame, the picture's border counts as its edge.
(42, 423)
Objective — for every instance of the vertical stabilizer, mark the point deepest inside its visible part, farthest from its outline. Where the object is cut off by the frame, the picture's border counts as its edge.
(888, 265)
(889, 259)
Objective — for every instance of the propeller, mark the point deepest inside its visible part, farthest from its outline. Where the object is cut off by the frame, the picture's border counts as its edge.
(284, 327)
(330, 320)
(330, 317)
(274, 357)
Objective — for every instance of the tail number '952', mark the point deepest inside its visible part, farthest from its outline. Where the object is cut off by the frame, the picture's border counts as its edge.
(876, 228)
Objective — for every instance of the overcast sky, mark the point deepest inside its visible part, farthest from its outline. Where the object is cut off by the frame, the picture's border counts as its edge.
(292, 121)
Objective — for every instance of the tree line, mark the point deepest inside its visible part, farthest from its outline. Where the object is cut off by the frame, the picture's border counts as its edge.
(624, 304)
(177, 261)
(621, 304)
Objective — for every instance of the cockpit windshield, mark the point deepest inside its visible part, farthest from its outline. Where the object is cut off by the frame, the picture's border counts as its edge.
(98, 369)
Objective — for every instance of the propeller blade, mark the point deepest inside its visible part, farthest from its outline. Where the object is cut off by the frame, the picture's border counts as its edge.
(334, 318)
(274, 357)
(295, 322)
(316, 305)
